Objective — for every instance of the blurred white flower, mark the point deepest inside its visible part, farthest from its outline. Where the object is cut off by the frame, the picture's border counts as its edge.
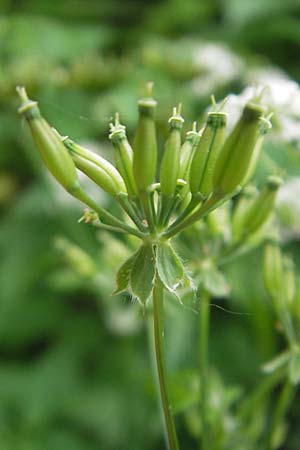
(280, 94)
(218, 64)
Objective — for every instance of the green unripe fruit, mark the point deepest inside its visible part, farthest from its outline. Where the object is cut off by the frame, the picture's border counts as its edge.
(273, 270)
(239, 152)
(187, 152)
(264, 126)
(206, 154)
(258, 210)
(123, 155)
(296, 304)
(289, 281)
(51, 149)
(245, 201)
(170, 163)
(98, 169)
(145, 145)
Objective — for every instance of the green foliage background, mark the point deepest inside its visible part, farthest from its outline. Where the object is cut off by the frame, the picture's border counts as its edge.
(74, 366)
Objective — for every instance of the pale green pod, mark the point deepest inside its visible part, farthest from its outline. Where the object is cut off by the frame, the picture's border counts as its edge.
(145, 145)
(98, 169)
(187, 152)
(239, 150)
(264, 127)
(289, 281)
(246, 199)
(218, 221)
(206, 154)
(51, 149)
(123, 155)
(169, 170)
(296, 303)
(258, 211)
(273, 269)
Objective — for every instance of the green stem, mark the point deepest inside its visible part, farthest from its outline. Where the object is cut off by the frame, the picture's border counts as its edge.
(261, 392)
(284, 400)
(204, 315)
(104, 215)
(205, 208)
(146, 203)
(170, 431)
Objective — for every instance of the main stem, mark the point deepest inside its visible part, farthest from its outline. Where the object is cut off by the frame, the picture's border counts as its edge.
(170, 431)
(204, 316)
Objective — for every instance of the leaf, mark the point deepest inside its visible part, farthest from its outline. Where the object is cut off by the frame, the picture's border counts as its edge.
(143, 273)
(170, 269)
(276, 363)
(123, 275)
(294, 368)
(215, 283)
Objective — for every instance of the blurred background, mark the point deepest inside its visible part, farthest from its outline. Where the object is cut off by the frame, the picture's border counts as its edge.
(74, 367)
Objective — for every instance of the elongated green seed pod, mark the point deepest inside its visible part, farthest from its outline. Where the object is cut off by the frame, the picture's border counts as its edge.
(258, 211)
(273, 269)
(170, 163)
(296, 304)
(187, 152)
(236, 157)
(206, 154)
(98, 169)
(245, 201)
(289, 281)
(123, 155)
(145, 145)
(51, 149)
(264, 126)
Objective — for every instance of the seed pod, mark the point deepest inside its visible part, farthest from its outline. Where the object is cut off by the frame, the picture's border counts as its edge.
(296, 303)
(52, 150)
(240, 151)
(245, 201)
(98, 169)
(218, 221)
(264, 126)
(289, 281)
(273, 269)
(206, 154)
(170, 162)
(187, 152)
(258, 211)
(123, 155)
(145, 145)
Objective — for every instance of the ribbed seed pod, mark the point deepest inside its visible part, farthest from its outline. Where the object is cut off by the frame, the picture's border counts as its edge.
(123, 155)
(170, 162)
(51, 149)
(264, 126)
(296, 304)
(289, 281)
(187, 152)
(273, 269)
(239, 151)
(206, 154)
(145, 145)
(258, 211)
(245, 201)
(98, 169)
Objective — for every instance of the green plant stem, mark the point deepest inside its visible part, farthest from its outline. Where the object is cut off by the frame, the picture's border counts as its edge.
(204, 316)
(282, 405)
(261, 392)
(148, 210)
(170, 431)
(204, 209)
